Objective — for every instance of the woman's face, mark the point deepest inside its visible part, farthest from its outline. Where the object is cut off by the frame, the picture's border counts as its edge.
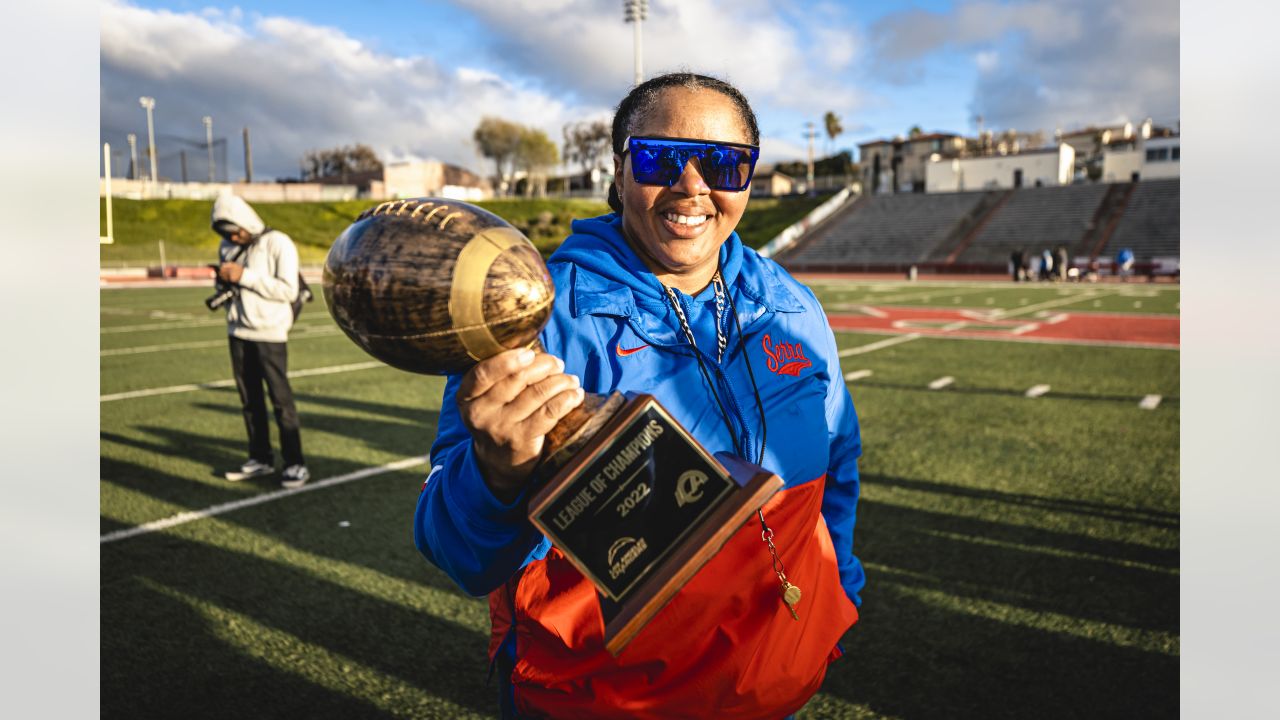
(678, 230)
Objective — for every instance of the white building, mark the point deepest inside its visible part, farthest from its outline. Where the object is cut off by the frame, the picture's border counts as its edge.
(1029, 168)
(429, 178)
(1151, 159)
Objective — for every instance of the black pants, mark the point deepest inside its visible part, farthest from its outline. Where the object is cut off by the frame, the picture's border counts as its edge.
(255, 362)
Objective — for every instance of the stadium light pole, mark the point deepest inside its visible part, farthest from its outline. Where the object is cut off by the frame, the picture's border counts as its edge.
(133, 156)
(636, 12)
(150, 104)
(208, 141)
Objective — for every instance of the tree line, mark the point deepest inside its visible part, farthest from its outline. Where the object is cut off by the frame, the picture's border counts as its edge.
(514, 147)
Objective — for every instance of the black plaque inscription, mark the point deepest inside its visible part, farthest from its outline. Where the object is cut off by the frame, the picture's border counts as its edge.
(634, 501)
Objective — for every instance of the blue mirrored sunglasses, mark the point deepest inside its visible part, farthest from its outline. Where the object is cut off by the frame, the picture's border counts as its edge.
(661, 161)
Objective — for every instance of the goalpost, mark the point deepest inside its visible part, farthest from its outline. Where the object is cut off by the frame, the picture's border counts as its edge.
(106, 170)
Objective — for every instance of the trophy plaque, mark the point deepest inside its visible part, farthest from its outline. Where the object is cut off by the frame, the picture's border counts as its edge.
(638, 506)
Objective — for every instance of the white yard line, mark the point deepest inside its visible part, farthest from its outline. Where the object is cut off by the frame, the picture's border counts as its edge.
(888, 342)
(231, 383)
(163, 326)
(141, 349)
(186, 517)
(941, 382)
(856, 375)
(1036, 391)
(160, 326)
(925, 294)
(1022, 339)
(1051, 303)
(1150, 402)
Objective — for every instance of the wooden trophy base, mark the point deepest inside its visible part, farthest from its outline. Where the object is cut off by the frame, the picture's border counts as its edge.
(641, 506)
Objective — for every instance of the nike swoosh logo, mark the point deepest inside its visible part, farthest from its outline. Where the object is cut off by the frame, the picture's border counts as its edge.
(623, 352)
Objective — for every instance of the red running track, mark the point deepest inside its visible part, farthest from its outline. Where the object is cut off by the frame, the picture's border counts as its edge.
(1082, 328)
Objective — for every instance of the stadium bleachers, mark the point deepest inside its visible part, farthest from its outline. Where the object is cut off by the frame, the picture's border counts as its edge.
(1034, 219)
(887, 229)
(977, 231)
(1149, 225)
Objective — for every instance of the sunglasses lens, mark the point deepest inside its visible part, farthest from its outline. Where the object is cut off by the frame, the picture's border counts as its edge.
(661, 162)
(726, 168)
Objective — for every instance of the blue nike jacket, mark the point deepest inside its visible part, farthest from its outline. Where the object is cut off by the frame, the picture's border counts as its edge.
(725, 643)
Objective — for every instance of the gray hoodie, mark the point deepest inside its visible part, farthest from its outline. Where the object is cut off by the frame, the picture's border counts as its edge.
(262, 311)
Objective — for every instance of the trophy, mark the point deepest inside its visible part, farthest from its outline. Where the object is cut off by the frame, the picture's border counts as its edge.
(635, 503)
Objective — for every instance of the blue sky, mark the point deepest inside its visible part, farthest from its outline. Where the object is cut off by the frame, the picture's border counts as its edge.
(413, 78)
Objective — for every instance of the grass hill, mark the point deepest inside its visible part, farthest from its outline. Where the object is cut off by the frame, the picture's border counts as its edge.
(183, 225)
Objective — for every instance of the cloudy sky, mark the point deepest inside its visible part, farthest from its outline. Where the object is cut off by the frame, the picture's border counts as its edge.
(412, 79)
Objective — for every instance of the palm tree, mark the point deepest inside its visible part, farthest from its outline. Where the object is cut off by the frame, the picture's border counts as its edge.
(832, 121)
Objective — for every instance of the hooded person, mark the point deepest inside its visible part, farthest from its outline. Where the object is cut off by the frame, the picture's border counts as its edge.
(261, 265)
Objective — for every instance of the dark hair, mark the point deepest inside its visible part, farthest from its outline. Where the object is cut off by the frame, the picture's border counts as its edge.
(643, 98)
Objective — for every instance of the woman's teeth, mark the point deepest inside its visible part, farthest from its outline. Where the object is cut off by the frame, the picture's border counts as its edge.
(685, 219)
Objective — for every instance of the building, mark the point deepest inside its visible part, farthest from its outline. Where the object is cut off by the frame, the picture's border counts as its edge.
(429, 178)
(771, 184)
(1027, 168)
(898, 165)
(1149, 159)
(1094, 144)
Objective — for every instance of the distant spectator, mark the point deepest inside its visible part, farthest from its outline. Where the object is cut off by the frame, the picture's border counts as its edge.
(1015, 264)
(1046, 264)
(1124, 264)
(1060, 262)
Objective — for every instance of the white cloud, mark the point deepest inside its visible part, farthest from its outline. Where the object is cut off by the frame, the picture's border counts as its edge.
(780, 58)
(1061, 63)
(298, 86)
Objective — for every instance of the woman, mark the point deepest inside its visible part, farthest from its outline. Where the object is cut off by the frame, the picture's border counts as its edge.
(662, 297)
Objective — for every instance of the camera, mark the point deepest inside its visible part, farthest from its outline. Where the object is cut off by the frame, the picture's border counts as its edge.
(225, 294)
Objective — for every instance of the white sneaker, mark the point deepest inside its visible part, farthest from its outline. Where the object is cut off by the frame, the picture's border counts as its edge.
(252, 468)
(295, 476)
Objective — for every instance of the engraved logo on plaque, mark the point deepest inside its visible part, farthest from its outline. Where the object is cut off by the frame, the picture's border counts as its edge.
(689, 487)
(623, 552)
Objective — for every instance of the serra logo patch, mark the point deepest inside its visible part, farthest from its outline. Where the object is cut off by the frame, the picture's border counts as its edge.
(784, 358)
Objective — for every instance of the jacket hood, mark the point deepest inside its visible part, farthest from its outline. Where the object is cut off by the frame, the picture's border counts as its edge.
(612, 279)
(233, 209)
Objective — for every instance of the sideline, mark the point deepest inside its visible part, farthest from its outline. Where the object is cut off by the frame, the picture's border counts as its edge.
(191, 516)
(231, 383)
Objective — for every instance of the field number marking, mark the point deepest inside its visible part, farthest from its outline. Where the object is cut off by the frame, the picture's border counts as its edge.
(186, 517)
(1037, 390)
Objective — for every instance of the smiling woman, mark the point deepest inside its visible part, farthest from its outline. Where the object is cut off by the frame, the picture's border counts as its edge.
(738, 353)
(675, 220)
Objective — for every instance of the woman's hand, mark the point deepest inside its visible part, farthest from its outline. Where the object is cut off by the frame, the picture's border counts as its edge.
(510, 402)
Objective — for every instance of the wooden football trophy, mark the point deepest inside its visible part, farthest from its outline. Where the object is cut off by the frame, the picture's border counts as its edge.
(433, 286)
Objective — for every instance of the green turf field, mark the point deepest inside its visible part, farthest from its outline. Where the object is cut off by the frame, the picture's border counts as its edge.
(1021, 552)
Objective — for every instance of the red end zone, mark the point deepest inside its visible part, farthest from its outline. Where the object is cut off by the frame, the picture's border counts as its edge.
(1048, 326)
